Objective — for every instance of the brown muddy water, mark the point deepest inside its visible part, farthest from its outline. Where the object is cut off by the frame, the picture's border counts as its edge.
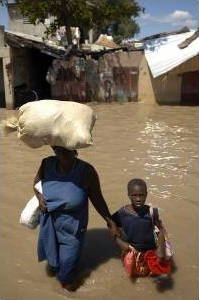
(159, 144)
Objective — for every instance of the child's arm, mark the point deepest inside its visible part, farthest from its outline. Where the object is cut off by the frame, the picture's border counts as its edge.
(161, 240)
(160, 237)
(161, 245)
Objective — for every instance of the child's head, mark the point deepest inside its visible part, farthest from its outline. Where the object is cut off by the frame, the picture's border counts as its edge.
(137, 192)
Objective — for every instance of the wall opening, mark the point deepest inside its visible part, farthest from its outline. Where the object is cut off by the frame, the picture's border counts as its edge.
(30, 79)
(2, 91)
(190, 88)
(40, 62)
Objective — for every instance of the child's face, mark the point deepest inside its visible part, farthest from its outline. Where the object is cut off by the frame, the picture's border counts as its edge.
(137, 194)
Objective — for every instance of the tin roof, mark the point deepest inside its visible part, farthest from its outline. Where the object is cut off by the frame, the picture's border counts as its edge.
(163, 54)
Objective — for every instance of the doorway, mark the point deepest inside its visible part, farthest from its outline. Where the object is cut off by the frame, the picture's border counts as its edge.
(2, 91)
(40, 63)
(190, 88)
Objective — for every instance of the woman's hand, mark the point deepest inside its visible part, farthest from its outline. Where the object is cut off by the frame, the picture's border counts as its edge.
(38, 177)
(42, 205)
(114, 230)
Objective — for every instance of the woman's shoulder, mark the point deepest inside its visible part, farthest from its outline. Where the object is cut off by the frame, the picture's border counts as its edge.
(89, 168)
(52, 157)
(86, 163)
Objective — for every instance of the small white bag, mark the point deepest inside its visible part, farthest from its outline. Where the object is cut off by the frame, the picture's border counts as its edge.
(30, 214)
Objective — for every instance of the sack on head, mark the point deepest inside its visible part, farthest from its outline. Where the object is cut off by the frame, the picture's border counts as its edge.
(56, 123)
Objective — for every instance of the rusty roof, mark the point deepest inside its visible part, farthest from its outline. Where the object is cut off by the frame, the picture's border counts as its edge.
(124, 59)
(105, 42)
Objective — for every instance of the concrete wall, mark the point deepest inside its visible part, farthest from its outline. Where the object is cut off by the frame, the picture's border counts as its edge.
(165, 89)
(17, 22)
(145, 88)
(118, 74)
(113, 77)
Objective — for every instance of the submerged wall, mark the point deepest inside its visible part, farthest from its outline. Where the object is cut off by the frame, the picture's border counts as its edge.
(114, 77)
(165, 89)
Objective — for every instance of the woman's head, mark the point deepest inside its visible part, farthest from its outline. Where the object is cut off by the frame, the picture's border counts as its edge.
(137, 192)
(63, 153)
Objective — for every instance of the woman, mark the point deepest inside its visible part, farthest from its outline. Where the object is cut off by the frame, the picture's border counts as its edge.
(67, 183)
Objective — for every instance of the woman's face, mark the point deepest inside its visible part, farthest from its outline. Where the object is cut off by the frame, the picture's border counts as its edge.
(63, 153)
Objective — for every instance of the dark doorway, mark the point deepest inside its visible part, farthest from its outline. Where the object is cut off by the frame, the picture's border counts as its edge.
(126, 81)
(190, 88)
(2, 93)
(31, 67)
(40, 62)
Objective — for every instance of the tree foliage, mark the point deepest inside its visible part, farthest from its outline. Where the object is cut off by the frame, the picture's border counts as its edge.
(109, 16)
(117, 17)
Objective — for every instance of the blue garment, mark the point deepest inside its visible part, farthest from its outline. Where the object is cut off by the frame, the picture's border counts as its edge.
(63, 227)
(138, 229)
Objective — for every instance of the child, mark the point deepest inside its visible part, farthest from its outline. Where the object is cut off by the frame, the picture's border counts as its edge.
(142, 255)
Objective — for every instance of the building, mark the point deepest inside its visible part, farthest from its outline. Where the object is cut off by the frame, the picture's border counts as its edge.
(19, 23)
(111, 77)
(102, 75)
(169, 74)
(163, 69)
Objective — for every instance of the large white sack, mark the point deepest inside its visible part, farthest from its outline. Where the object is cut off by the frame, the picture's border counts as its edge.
(52, 122)
(30, 214)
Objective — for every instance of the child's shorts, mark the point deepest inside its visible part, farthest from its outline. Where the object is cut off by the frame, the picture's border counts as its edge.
(145, 263)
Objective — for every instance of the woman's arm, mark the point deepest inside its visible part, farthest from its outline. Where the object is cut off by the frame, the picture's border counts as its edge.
(98, 201)
(40, 197)
(124, 246)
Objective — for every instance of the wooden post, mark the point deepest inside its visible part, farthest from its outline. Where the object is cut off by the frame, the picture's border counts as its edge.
(90, 34)
(8, 79)
(2, 36)
(6, 54)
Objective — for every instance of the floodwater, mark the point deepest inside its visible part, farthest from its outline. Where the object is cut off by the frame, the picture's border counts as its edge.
(156, 143)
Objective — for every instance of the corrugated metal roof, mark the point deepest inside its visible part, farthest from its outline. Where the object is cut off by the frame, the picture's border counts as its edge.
(35, 39)
(163, 54)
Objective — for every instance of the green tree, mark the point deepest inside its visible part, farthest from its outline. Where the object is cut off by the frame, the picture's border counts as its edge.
(118, 18)
(108, 16)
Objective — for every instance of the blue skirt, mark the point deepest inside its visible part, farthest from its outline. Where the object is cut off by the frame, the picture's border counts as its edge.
(60, 241)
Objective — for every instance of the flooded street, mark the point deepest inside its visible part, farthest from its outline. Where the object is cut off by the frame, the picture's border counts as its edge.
(156, 143)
